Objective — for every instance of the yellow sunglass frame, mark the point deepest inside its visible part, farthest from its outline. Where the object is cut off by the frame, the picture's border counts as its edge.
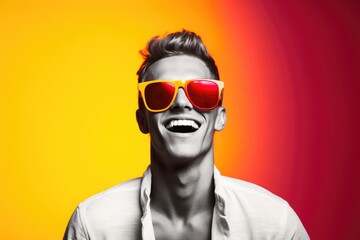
(177, 84)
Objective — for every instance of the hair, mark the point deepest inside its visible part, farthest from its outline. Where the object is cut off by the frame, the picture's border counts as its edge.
(175, 44)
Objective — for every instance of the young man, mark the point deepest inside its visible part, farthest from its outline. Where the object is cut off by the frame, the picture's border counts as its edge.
(182, 195)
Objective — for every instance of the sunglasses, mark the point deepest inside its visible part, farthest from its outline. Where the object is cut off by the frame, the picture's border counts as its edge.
(159, 95)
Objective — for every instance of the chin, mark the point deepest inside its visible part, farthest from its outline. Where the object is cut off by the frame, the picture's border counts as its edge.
(180, 151)
(185, 153)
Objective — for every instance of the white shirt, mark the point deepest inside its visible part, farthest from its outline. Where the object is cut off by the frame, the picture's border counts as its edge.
(242, 211)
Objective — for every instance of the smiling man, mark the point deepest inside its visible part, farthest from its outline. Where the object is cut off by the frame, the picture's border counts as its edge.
(182, 195)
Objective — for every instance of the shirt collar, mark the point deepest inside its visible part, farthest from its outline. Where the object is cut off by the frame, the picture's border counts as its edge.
(147, 230)
(220, 226)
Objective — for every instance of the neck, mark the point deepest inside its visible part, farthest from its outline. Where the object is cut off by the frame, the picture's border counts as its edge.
(186, 190)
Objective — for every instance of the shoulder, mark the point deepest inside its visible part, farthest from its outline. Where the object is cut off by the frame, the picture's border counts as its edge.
(121, 190)
(252, 199)
(112, 213)
(122, 196)
(243, 190)
(118, 207)
(261, 212)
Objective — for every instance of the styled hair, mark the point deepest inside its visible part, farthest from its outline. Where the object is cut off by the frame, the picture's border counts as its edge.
(175, 44)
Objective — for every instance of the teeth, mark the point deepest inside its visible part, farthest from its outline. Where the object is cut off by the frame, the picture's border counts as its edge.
(190, 123)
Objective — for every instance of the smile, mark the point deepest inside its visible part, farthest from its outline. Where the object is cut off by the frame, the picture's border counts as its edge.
(182, 125)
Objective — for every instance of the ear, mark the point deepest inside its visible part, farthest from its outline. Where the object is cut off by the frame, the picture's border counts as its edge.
(141, 120)
(220, 119)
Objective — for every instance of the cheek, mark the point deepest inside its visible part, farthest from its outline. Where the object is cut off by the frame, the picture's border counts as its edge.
(211, 119)
(153, 122)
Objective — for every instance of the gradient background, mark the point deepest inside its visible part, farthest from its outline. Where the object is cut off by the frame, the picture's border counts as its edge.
(68, 99)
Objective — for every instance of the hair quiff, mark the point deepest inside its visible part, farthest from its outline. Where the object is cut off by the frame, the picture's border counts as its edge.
(174, 44)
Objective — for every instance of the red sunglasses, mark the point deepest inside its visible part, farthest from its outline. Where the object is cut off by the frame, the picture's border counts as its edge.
(159, 95)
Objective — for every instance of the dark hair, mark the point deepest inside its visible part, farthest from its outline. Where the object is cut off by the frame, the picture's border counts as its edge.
(175, 44)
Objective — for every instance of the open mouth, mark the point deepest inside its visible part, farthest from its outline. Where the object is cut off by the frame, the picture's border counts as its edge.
(182, 126)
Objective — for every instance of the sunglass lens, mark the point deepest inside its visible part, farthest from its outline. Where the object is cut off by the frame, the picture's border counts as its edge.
(203, 94)
(159, 95)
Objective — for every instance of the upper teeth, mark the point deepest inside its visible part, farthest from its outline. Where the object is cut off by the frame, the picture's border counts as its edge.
(174, 123)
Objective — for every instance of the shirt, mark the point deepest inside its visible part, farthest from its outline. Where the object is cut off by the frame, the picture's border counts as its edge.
(242, 211)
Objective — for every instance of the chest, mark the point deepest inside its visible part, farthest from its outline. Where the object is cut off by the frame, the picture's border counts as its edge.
(198, 228)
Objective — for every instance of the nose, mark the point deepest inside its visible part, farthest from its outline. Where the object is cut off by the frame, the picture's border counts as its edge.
(181, 101)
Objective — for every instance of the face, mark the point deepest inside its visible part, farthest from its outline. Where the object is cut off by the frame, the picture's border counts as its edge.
(181, 133)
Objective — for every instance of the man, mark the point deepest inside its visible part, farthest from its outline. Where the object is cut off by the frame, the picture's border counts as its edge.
(182, 195)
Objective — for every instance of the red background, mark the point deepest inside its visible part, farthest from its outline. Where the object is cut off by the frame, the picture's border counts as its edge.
(301, 107)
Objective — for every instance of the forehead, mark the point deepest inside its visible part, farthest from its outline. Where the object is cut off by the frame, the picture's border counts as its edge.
(179, 67)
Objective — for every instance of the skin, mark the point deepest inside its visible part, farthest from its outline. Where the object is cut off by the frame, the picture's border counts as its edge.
(181, 163)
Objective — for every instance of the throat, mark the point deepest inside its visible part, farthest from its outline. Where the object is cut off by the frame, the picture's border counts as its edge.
(184, 190)
(188, 183)
(185, 194)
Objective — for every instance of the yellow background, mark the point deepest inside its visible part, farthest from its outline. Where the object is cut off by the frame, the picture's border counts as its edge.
(68, 98)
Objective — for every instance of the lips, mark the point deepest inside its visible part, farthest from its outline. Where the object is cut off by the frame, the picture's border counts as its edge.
(182, 125)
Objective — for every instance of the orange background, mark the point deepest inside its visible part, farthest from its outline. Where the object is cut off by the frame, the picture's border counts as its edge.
(68, 99)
